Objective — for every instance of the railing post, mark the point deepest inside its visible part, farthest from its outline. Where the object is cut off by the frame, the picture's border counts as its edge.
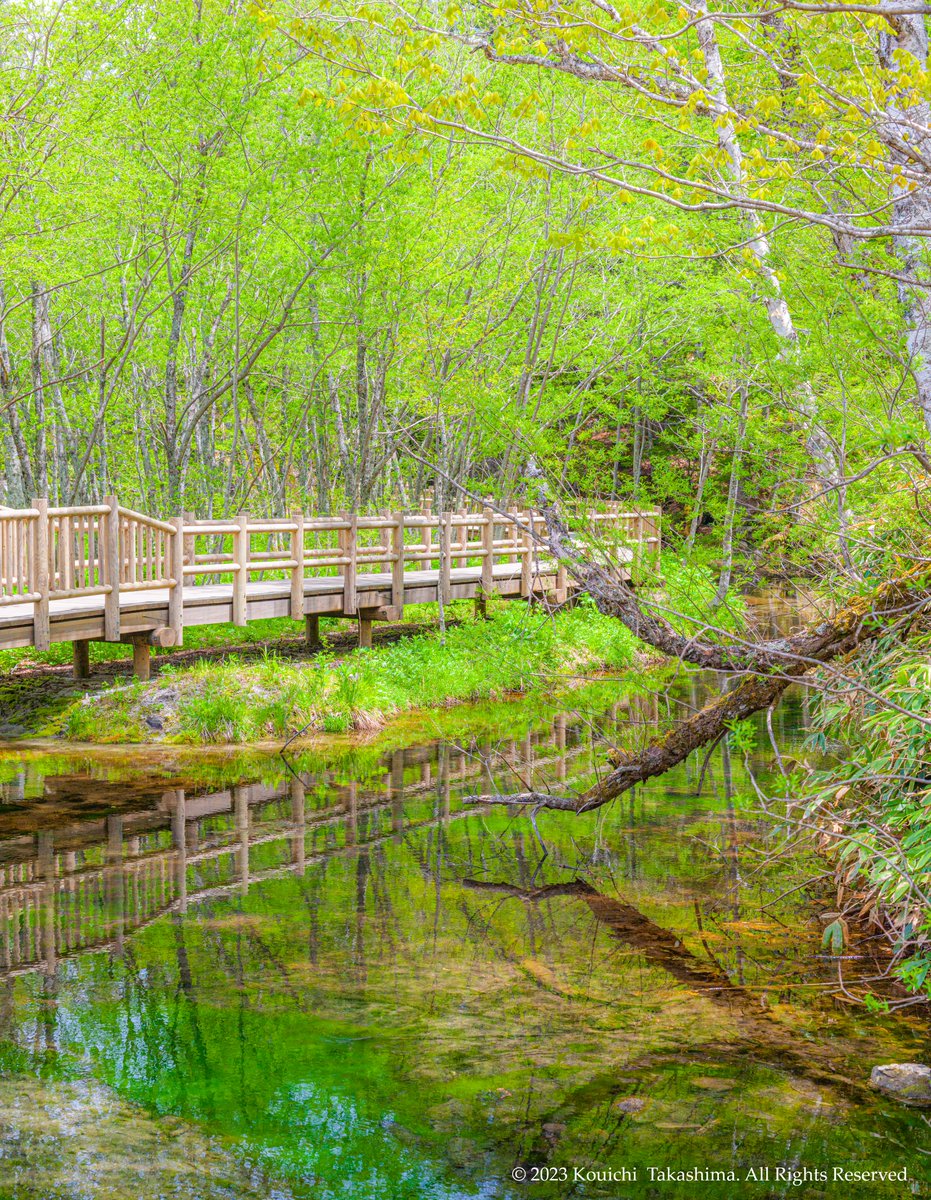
(427, 534)
(486, 587)
(41, 635)
(111, 605)
(636, 573)
(176, 570)
(466, 530)
(190, 541)
(526, 559)
(446, 557)
(562, 583)
(513, 536)
(397, 567)
(349, 568)
(297, 571)
(240, 577)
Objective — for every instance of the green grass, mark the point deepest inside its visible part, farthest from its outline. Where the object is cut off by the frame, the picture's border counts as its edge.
(519, 650)
(215, 637)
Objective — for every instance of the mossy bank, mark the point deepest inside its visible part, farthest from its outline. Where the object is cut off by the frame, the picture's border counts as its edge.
(518, 650)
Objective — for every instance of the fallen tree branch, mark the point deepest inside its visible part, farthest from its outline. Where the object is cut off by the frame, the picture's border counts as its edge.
(620, 601)
(768, 673)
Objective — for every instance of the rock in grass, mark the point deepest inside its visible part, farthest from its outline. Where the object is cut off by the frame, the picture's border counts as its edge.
(908, 1082)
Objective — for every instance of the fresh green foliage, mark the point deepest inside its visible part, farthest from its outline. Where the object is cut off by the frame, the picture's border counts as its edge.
(876, 796)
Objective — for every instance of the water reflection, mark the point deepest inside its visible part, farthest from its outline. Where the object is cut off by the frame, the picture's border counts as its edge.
(338, 981)
(86, 885)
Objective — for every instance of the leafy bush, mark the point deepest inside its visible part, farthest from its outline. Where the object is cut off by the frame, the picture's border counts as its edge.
(876, 797)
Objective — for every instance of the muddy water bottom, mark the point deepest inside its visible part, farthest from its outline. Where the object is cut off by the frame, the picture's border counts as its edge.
(330, 978)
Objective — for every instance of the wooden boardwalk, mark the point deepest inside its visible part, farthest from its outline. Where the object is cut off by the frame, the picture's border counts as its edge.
(106, 572)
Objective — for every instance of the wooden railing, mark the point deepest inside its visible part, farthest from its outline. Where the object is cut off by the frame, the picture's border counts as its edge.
(107, 550)
(18, 555)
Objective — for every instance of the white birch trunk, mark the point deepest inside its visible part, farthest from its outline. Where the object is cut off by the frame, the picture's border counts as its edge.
(817, 443)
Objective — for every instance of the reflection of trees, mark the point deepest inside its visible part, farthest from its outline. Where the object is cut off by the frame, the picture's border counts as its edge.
(762, 1036)
(321, 913)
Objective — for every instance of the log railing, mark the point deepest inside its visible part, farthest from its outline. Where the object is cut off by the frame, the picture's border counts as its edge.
(18, 558)
(108, 550)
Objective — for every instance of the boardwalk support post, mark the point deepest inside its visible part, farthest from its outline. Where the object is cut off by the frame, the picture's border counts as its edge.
(312, 639)
(81, 657)
(164, 636)
(142, 659)
(241, 569)
(41, 635)
(297, 571)
(111, 606)
(176, 594)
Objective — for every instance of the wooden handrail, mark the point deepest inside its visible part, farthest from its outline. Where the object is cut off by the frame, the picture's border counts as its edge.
(58, 553)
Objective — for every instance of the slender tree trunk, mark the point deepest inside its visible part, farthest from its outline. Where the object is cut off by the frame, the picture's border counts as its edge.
(20, 485)
(817, 442)
(705, 459)
(730, 516)
(172, 431)
(908, 126)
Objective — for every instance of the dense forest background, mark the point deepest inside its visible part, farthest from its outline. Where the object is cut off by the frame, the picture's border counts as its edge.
(255, 257)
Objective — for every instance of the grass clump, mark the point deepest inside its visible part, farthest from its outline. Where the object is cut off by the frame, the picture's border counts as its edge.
(518, 650)
(124, 722)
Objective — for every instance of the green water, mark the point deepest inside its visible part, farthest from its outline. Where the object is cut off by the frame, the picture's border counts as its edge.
(339, 982)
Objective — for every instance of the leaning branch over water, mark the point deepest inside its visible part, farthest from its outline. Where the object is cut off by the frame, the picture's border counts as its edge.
(769, 668)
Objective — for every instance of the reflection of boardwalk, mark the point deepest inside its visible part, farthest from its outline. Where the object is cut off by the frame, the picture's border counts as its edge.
(85, 886)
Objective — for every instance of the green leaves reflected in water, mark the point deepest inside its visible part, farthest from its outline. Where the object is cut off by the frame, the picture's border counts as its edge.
(423, 1002)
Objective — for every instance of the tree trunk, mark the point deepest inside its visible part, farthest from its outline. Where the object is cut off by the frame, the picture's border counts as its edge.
(817, 442)
(730, 516)
(910, 41)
